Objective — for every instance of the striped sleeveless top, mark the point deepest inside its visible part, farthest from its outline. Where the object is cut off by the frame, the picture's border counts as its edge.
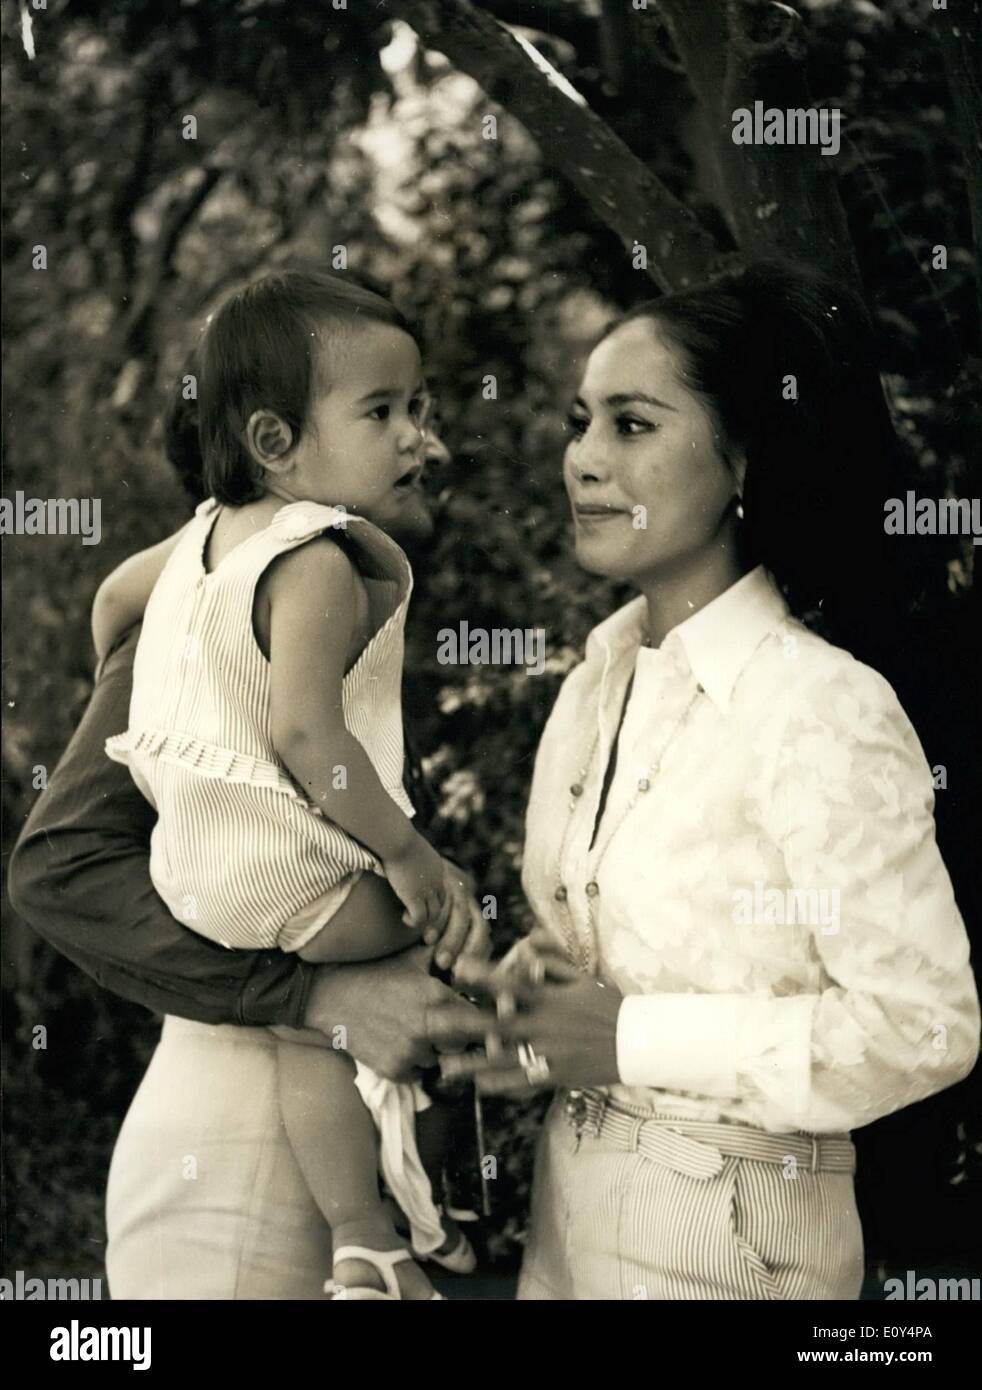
(238, 850)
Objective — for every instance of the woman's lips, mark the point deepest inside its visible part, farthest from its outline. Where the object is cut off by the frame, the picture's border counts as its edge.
(596, 513)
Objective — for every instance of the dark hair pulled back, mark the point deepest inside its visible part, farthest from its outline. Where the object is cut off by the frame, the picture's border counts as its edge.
(784, 359)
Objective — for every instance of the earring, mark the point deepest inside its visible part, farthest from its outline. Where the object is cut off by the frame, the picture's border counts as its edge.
(739, 510)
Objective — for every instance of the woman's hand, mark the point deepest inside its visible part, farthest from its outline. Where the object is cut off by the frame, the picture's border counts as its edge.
(569, 1021)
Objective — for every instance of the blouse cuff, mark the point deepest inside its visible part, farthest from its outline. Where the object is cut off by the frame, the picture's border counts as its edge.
(712, 1044)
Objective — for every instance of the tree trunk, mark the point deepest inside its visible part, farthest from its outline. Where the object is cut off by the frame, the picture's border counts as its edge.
(620, 189)
(960, 35)
(780, 200)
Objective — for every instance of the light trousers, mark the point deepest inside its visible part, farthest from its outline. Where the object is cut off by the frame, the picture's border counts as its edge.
(205, 1198)
(611, 1221)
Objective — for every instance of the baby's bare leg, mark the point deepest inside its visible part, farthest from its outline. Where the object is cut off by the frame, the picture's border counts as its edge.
(330, 1131)
(333, 1139)
(368, 925)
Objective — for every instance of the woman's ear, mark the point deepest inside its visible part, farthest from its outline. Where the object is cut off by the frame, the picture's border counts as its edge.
(269, 440)
(737, 460)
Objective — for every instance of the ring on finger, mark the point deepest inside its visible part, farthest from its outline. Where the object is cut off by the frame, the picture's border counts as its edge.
(536, 1068)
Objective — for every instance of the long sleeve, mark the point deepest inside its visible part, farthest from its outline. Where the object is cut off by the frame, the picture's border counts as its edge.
(79, 876)
(893, 1014)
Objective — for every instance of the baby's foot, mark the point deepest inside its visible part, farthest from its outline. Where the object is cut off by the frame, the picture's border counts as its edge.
(453, 1233)
(362, 1273)
(456, 1253)
(359, 1274)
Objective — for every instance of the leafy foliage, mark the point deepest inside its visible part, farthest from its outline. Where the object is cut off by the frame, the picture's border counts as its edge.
(307, 142)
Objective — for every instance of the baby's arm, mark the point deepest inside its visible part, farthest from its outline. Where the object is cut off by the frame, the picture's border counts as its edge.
(313, 592)
(122, 596)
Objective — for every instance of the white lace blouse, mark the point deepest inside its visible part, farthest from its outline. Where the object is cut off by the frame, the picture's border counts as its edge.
(765, 887)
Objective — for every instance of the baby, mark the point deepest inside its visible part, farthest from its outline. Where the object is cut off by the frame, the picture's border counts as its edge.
(265, 722)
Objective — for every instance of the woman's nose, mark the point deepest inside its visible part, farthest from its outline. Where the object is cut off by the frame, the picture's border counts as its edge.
(585, 458)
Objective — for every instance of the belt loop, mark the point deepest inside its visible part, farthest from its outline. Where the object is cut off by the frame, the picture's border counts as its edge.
(816, 1154)
(595, 1103)
(637, 1125)
(602, 1099)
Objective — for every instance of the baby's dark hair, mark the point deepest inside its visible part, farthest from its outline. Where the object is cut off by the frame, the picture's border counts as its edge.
(260, 351)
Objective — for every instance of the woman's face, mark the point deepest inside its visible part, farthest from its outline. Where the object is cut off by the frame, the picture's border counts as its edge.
(647, 482)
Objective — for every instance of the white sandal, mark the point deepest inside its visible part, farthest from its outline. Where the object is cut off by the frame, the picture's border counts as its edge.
(382, 1260)
(460, 1260)
(461, 1214)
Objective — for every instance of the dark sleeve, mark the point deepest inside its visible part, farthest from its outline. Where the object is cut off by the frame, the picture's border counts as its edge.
(79, 876)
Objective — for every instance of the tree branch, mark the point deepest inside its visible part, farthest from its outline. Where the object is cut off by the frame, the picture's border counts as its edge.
(960, 36)
(620, 189)
(615, 43)
(130, 191)
(134, 331)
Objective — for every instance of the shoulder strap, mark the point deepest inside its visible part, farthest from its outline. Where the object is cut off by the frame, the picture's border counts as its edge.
(374, 553)
(300, 521)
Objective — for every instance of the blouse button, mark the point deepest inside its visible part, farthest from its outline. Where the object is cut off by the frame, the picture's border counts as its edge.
(560, 894)
(576, 1109)
(643, 785)
(576, 789)
(592, 889)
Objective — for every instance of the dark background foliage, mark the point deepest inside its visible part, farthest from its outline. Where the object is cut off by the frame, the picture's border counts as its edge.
(307, 141)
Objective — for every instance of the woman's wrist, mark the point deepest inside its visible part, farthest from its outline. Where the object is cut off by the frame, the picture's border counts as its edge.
(607, 1061)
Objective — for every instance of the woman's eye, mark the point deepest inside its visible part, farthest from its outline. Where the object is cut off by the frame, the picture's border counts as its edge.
(579, 424)
(633, 424)
(380, 412)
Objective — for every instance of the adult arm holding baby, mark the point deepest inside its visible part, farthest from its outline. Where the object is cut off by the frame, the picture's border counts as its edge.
(79, 876)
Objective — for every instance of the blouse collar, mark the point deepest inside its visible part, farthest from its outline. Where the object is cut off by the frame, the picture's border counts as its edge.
(715, 644)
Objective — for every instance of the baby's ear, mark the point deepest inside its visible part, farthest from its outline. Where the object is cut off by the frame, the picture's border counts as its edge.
(269, 440)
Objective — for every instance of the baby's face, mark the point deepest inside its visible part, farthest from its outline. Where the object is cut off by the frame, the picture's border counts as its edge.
(362, 445)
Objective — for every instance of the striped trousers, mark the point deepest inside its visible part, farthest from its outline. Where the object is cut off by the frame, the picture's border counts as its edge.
(627, 1208)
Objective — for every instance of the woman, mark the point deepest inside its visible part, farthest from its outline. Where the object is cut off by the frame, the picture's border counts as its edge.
(748, 943)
